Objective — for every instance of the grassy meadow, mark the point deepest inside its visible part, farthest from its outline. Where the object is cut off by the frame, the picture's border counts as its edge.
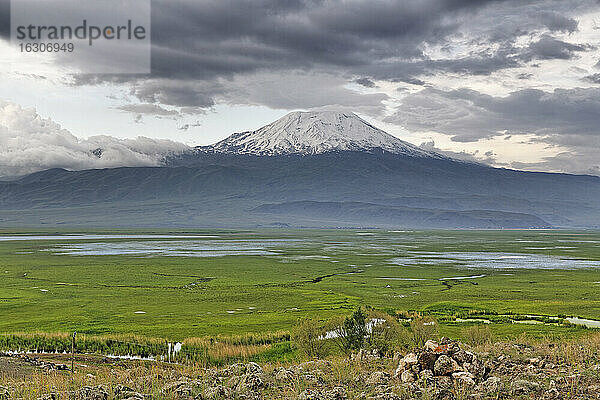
(224, 283)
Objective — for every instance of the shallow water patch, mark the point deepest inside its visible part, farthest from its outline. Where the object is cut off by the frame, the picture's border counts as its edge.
(99, 237)
(184, 248)
(494, 260)
(590, 323)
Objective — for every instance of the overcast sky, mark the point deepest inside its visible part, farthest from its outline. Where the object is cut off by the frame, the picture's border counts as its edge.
(511, 83)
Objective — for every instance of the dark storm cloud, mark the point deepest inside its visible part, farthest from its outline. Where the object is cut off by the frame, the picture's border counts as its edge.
(563, 116)
(556, 22)
(366, 82)
(563, 119)
(215, 40)
(178, 93)
(221, 37)
(198, 47)
(549, 48)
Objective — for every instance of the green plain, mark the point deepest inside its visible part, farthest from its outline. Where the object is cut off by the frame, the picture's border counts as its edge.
(317, 273)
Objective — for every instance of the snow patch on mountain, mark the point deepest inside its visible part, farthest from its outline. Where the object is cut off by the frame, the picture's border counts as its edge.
(315, 132)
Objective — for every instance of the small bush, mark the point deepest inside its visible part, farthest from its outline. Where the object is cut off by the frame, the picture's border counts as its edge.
(351, 333)
(423, 329)
(307, 337)
(386, 334)
(478, 335)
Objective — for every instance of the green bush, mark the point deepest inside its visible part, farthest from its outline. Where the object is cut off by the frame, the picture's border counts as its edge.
(307, 337)
(387, 334)
(423, 329)
(478, 335)
(351, 333)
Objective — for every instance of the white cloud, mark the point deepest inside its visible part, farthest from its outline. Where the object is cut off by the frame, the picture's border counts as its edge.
(488, 158)
(30, 143)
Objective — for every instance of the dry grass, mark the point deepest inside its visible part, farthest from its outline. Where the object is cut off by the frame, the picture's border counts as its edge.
(577, 355)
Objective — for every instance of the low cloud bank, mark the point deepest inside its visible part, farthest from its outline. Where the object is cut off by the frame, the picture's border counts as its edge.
(30, 143)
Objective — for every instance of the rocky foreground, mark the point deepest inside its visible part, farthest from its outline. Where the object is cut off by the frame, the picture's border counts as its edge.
(438, 370)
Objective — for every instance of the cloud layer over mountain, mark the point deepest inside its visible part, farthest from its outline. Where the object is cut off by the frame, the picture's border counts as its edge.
(30, 143)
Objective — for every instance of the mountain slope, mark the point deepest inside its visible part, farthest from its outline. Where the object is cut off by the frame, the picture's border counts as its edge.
(229, 190)
(339, 174)
(355, 213)
(315, 133)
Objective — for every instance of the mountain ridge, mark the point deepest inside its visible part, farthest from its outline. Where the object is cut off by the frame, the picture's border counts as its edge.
(228, 190)
(346, 174)
(315, 132)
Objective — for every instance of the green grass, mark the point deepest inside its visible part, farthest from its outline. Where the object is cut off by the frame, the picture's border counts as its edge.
(100, 294)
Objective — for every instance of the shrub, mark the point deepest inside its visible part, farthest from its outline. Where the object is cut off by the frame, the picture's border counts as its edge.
(478, 335)
(423, 329)
(307, 337)
(351, 333)
(386, 334)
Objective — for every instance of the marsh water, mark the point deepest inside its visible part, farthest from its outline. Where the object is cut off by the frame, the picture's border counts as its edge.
(234, 274)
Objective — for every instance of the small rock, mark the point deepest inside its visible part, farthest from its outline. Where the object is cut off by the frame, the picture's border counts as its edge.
(125, 392)
(491, 385)
(234, 369)
(378, 378)
(406, 363)
(283, 374)
(426, 374)
(50, 396)
(338, 393)
(216, 392)
(310, 394)
(312, 378)
(521, 386)
(253, 368)
(443, 394)
(477, 368)
(464, 378)
(249, 383)
(444, 382)
(463, 356)
(407, 377)
(90, 393)
(409, 360)
(180, 388)
(431, 345)
(385, 396)
(445, 365)
(427, 360)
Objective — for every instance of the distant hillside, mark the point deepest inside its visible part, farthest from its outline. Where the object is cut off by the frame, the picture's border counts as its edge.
(308, 169)
(374, 188)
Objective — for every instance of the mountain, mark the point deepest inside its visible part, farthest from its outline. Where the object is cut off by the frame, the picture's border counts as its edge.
(315, 133)
(304, 170)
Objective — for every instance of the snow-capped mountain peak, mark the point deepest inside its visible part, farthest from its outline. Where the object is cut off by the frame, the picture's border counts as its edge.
(315, 132)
